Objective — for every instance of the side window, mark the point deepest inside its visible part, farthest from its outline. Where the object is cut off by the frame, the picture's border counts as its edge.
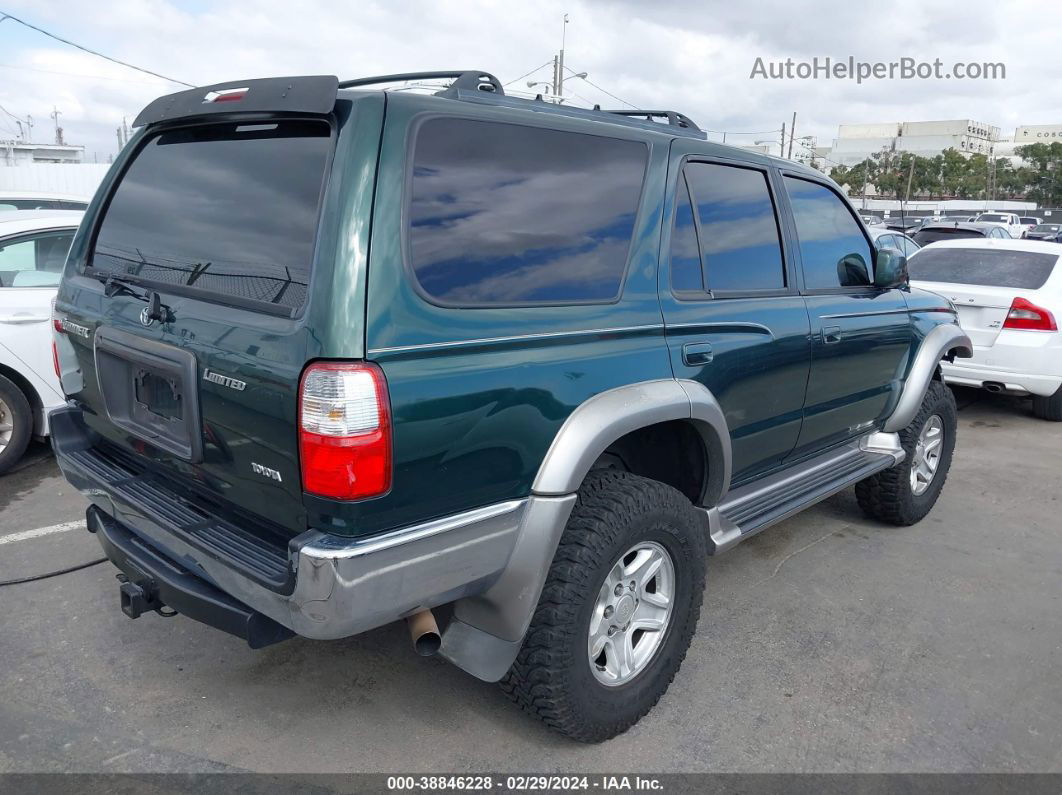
(738, 227)
(832, 246)
(35, 261)
(686, 273)
(907, 246)
(504, 214)
(885, 241)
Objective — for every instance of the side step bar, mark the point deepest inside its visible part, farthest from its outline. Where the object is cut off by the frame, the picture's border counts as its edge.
(749, 509)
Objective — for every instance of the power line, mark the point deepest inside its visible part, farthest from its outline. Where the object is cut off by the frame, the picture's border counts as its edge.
(75, 74)
(4, 15)
(521, 77)
(603, 91)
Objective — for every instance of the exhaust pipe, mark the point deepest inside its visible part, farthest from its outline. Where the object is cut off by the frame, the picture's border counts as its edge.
(424, 633)
(993, 386)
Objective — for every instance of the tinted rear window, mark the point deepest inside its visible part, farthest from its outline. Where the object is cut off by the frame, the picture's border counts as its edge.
(227, 210)
(507, 214)
(1025, 270)
(926, 236)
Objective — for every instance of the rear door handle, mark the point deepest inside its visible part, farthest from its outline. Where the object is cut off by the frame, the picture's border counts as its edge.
(22, 318)
(831, 334)
(694, 353)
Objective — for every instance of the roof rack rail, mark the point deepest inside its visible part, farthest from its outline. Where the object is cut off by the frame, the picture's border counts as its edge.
(674, 118)
(464, 79)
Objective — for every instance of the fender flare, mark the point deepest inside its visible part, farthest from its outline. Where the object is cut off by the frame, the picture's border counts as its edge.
(606, 417)
(487, 630)
(936, 345)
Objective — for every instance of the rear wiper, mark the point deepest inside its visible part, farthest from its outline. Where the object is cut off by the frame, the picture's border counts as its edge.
(113, 285)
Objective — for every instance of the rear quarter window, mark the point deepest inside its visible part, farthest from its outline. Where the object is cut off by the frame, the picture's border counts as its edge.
(505, 214)
(1024, 270)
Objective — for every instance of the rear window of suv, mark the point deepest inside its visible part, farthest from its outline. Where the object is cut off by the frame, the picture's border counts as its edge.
(1025, 270)
(505, 214)
(227, 212)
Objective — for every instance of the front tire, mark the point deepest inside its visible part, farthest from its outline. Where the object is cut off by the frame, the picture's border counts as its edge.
(618, 609)
(904, 494)
(16, 424)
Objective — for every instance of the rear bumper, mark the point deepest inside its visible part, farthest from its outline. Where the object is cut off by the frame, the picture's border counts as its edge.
(335, 586)
(976, 375)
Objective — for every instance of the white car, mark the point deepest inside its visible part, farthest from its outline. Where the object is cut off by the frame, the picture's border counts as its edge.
(33, 246)
(1009, 221)
(38, 200)
(1008, 294)
(1028, 223)
(890, 238)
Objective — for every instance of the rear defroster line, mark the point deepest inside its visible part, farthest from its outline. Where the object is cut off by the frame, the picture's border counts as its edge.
(36, 577)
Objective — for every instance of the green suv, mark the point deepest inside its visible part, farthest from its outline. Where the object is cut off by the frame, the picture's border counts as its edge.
(336, 356)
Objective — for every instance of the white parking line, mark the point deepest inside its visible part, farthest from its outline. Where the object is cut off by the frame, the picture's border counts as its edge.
(43, 531)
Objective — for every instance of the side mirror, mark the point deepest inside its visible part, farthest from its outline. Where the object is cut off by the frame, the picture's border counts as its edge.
(890, 269)
(852, 271)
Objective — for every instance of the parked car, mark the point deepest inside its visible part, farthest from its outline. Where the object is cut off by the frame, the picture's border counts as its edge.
(886, 238)
(1051, 233)
(1009, 295)
(436, 357)
(931, 233)
(33, 246)
(1028, 223)
(35, 200)
(907, 225)
(1010, 222)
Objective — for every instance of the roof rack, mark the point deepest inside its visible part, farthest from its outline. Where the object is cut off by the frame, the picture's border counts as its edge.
(464, 79)
(674, 118)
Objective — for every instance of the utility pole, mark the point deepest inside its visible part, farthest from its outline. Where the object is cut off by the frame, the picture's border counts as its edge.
(910, 176)
(781, 144)
(58, 130)
(792, 134)
(560, 60)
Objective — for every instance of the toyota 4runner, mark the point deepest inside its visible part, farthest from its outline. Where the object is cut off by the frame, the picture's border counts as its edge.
(336, 356)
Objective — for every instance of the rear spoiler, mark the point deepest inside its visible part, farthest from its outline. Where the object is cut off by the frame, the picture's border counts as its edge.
(315, 94)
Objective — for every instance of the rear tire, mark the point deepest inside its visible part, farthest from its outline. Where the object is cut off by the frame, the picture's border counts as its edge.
(894, 495)
(554, 678)
(16, 424)
(1049, 407)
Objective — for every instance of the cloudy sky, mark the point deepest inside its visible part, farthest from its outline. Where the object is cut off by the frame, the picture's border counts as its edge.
(691, 55)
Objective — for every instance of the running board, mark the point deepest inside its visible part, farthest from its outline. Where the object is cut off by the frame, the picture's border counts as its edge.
(749, 509)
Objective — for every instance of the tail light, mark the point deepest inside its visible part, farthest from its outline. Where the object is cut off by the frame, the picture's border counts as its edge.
(344, 431)
(55, 360)
(1026, 315)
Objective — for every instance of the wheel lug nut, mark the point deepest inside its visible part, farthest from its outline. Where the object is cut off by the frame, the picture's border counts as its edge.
(619, 590)
(609, 611)
(633, 585)
(611, 631)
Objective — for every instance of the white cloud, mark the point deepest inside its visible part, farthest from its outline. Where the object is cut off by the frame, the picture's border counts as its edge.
(690, 55)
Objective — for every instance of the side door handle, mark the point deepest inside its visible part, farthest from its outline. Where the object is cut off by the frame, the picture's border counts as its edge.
(694, 353)
(831, 334)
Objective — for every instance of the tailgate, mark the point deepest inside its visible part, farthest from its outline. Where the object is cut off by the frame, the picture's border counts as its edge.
(982, 311)
(194, 347)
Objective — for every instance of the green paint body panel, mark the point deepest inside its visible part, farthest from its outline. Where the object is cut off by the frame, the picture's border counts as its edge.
(478, 395)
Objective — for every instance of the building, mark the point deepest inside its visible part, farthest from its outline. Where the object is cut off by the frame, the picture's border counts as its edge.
(856, 142)
(1038, 134)
(15, 153)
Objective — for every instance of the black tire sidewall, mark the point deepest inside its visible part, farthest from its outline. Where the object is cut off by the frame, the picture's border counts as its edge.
(624, 702)
(938, 402)
(22, 419)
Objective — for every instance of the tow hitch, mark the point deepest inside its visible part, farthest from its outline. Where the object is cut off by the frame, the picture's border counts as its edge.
(140, 597)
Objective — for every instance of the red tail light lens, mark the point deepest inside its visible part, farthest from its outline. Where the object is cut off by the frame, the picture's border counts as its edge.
(344, 431)
(1026, 315)
(55, 360)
